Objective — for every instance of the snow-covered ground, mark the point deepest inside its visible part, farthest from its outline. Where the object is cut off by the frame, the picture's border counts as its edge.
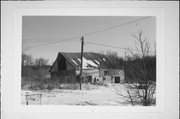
(102, 95)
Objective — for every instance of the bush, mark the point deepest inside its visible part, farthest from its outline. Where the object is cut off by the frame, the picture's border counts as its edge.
(39, 84)
(47, 83)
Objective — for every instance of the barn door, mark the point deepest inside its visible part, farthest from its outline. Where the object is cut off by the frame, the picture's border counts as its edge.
(117, 79)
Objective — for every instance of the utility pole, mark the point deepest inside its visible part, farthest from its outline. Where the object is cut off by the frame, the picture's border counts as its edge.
(125, 56)
(125, 66)
(82, 45)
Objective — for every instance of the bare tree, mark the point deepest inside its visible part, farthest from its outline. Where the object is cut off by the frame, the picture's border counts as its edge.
(112, 54)
(34, 68)
(27, 63)
(27, 60)
(141, 71)
(113, 57)
(41, 61)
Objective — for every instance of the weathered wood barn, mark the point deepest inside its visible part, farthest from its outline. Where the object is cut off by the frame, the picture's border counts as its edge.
(96, 68)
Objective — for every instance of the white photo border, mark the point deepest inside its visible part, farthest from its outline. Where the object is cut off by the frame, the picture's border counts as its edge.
(17, 11)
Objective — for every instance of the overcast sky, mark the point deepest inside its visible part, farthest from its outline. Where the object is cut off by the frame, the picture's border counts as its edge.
(39, 30)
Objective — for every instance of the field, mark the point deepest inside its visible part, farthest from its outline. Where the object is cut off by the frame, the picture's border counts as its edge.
(96, 95)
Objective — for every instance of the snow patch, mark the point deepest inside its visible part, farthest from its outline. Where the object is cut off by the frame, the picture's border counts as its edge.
(74, 62)
(97, 62)
(88, 63)
(79, 60)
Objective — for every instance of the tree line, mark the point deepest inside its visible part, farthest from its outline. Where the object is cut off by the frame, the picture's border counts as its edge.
(34, 69)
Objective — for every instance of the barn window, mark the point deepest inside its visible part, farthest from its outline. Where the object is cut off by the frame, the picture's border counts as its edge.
(105, 73)
(89, 78)
(117, 79)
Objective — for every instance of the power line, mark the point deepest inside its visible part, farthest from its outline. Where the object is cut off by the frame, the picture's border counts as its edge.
(116, 26)
(48, 43)
(87, 34)
(99, 44)
(105, 45)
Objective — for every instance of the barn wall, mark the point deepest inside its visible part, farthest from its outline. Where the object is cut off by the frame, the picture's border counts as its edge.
(69, 66)
(61, 63)
(110, 74)
(63, 71)
(68, 76)
(92, 76)
(89, 75)
(55, 67)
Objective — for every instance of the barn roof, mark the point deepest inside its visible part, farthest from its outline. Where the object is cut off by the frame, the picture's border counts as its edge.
(90, 60)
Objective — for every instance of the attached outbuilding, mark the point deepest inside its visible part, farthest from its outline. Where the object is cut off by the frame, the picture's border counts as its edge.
(96, 68)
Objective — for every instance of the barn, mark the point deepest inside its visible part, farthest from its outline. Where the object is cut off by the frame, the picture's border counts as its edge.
(96, 68)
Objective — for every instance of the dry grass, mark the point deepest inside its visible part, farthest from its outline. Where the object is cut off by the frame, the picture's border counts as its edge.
(48, 84)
